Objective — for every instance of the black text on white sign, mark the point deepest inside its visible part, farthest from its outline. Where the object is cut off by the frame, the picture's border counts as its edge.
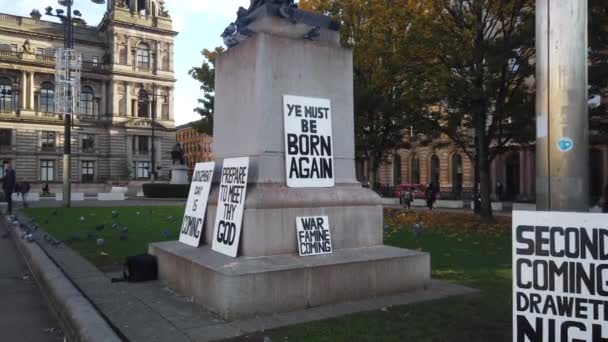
(196, 207)
(230, 206)
(313, 235)
(309, 142)
(560, 277)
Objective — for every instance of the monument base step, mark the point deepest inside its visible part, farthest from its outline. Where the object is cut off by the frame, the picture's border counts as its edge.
(249, 286)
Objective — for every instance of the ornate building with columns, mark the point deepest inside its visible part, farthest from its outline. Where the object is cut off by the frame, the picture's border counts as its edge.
(127, 70)
(441, 162)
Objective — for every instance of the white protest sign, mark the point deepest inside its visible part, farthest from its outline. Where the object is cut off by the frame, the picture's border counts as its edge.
(313, 235)
(196, 207)
(309, 149)
(230, 206)
(560, 277)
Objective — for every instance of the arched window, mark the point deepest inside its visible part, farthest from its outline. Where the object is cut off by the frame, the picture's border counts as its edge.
(435, 171)
(396, 170)
(87, 101)
(415, 170)
(143, 109)
(47, 97)
(457, 175)
(143, 56)
(6, 95)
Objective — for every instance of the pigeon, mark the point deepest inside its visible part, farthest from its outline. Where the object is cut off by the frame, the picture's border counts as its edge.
(104, 254)
(75, 237)
(138, 213)
(55, 212)
(314, 33)
(101, 242)
(100, 227)
(55, 243)
(114, 214)
(123, 237)
(46, 237)
(165, 233)
(90, 237)
(125, 230)
(82, 219)
(417, 229)
(29, 238)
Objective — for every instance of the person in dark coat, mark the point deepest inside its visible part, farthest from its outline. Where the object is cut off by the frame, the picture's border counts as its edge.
(431, 196)
(9, 182)
(605, 204)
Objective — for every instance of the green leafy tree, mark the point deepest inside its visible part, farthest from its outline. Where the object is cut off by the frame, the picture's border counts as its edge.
(485, 49)
(383, 36)
(205, 74)
(598, 68)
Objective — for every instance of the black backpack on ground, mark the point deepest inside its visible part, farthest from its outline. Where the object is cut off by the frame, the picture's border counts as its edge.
(139, 268)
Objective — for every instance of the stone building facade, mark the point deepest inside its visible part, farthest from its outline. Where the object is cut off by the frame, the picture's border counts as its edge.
(441, 162)
(127, 68)
(196, 146)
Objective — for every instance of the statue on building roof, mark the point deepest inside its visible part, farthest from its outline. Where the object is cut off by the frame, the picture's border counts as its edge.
(163, 12)
(27, 48)
(120, 4)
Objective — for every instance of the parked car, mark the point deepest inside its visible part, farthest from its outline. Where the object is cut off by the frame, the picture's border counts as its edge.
(418, 190)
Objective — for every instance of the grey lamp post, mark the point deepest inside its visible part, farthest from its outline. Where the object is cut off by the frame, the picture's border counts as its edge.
(153, 113)
(68, 18)
(562, 145)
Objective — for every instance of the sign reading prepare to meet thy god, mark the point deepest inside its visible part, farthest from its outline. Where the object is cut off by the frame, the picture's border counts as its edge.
(313, 235)
(230, 206)
(560, 277)
(196, 207)
(308, 142)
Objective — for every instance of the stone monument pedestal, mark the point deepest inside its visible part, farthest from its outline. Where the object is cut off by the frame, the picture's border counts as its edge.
(269, 276)
(179, 174)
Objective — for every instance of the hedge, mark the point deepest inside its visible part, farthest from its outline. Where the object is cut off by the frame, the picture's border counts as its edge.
(160, 190)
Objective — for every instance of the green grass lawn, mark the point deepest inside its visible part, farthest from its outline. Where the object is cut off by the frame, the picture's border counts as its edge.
(144, 225)
(463, 252)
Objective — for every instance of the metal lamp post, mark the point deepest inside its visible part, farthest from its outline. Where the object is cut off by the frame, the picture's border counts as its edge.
(68, 18)
(153, 113)
(562, 118)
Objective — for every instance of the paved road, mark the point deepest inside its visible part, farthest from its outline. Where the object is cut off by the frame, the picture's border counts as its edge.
(24, 315)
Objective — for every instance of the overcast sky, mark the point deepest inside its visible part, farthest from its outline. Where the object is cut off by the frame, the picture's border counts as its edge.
(199, 23)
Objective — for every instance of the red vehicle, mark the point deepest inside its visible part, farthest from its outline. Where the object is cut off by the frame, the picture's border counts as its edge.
(418, 190)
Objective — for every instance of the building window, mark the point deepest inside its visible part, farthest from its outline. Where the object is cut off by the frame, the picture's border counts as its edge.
(48, 141)
(88, 171)
(141, 144)
(415, 170)
(88, 143)
(143, 110)
(143, 56)
(142, 169)
(87, 100)
(6, 139)
(40, 51)
(6, 95)
(47, 97)
(95, 60)
(47, 170)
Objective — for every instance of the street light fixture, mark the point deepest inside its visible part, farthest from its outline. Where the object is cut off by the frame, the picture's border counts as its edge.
(152, 99)
(68, 22)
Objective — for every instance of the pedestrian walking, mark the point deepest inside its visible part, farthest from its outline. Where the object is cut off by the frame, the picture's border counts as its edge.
(408, 198)
(45, 190)
(24, 189)
(499, 191)
(431, 196)
(9, 182)
(605, 204)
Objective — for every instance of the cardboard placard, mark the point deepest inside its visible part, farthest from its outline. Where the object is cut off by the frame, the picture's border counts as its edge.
(560, 276)
(309, 149)
(196, 207)
(313, 234)
(230, 207)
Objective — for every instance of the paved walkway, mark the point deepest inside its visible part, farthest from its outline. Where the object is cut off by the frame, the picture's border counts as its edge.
(135, 202)
(24, 315)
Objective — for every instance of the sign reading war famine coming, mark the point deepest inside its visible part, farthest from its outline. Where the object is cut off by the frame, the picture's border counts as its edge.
(313, 235)
(308, 142)
(230, 206)
(194, 216)
(560, 277)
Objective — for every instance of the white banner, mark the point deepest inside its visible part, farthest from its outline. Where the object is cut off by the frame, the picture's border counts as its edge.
(230, 206)
(313, 235)
(309, 148)
(196, 207)
(560, 277)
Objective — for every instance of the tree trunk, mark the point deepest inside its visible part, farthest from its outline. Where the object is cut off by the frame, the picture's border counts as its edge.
(485, 185)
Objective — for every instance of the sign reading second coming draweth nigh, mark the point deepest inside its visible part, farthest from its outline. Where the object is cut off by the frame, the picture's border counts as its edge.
(230, 206)
(308, 142)
(196, 207)
(560, 277)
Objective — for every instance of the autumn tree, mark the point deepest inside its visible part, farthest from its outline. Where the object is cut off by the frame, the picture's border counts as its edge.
(485, 49)
(383, 36)
(205, 74)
